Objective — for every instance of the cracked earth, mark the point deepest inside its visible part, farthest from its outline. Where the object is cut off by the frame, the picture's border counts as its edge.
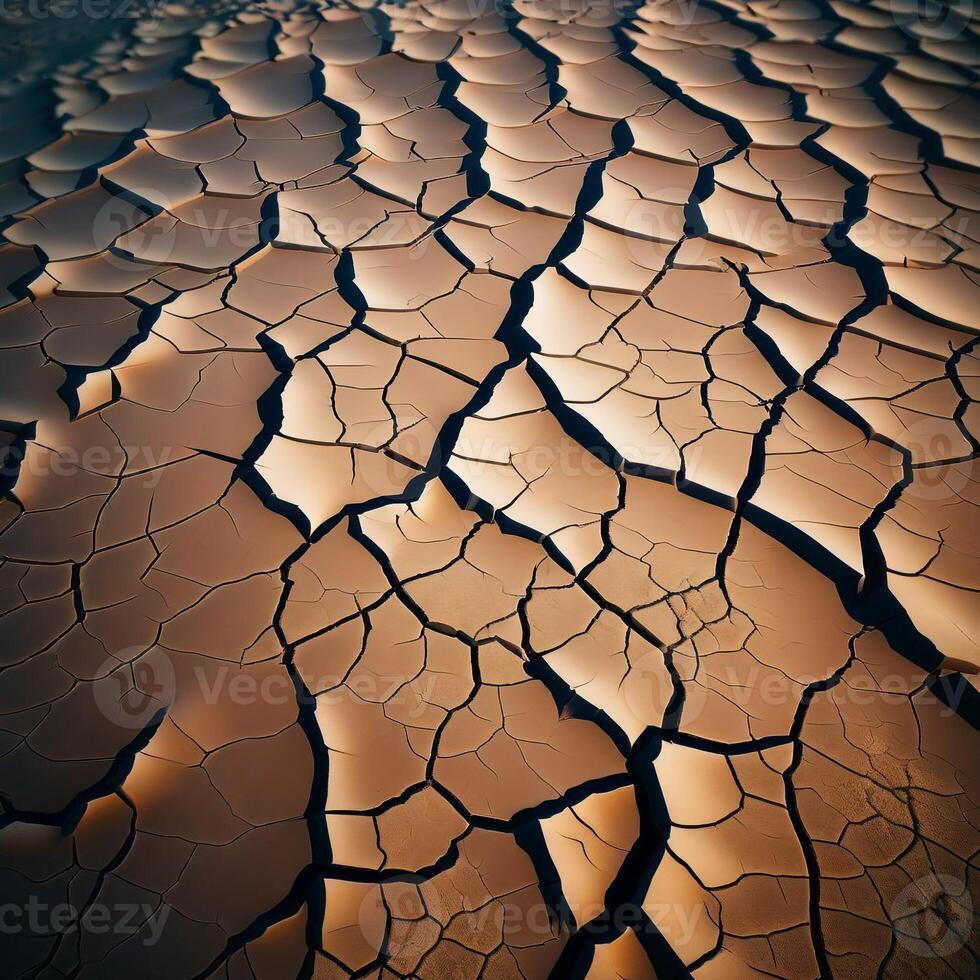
(490, 492)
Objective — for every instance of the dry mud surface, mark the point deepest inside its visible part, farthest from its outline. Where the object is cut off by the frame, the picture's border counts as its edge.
(490, 491)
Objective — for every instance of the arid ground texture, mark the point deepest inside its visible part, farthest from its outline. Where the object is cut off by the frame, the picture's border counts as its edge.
(489, 489)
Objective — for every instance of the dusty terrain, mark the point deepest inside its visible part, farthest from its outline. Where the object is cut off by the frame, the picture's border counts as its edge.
(490, 491)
